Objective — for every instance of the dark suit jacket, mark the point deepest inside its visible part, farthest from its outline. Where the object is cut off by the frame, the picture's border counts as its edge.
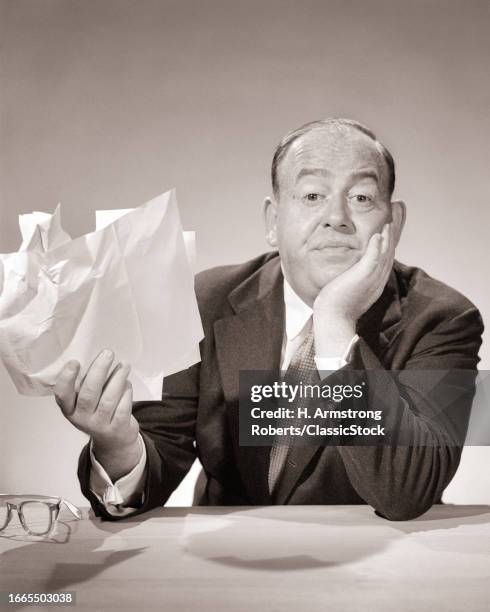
(418, 323)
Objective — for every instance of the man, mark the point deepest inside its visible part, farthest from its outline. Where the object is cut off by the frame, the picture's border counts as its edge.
(332, 287)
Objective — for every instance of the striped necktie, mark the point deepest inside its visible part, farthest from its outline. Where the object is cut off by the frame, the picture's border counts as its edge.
(301, 369)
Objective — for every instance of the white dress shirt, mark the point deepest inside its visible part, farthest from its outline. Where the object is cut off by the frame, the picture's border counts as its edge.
(117, 497)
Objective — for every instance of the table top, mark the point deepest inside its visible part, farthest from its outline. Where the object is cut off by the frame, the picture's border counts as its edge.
(260, 558)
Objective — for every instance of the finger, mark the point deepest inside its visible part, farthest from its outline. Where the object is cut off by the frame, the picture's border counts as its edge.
(386, 238)
(393, 239)
(64, 389)
(124, 409)
(112, 392)
(383, 271)
(390, 249)
(386, 254)
(370, 260)
(382, 267)
(92, 385)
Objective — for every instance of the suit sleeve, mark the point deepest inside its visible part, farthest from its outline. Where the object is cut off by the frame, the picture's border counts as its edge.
(168, 431)
(428, 403)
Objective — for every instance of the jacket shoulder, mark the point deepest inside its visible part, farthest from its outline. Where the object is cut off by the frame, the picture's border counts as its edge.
(419, 289)
(215, 284)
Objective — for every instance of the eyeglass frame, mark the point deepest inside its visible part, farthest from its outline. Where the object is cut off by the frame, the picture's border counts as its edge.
(54, 510)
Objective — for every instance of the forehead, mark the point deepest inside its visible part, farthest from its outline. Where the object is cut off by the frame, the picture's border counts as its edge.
(339, 150)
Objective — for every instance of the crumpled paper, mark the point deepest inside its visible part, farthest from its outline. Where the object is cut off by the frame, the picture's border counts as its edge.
(128, 286)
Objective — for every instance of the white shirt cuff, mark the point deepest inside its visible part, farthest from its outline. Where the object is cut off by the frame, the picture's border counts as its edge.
(116, 496)
(331, 364)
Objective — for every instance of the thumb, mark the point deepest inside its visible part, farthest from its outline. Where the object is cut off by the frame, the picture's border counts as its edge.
(370, 260)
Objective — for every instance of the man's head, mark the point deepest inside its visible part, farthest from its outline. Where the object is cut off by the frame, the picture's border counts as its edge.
(332, 185)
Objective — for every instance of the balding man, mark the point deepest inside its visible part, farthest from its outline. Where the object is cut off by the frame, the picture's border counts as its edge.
(331, 297)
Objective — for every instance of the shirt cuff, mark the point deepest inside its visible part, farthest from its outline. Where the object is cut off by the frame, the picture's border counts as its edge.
(331, 364)
(117, 496)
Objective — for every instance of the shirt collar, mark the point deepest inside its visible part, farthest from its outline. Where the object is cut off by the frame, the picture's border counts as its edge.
(297, 313)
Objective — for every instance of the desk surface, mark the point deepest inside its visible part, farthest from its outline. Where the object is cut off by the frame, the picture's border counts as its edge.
(267, 558)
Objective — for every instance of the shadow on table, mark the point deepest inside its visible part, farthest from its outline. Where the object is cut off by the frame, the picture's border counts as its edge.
(445, 516)
(313, 537)
(56, 563)
(439, 517)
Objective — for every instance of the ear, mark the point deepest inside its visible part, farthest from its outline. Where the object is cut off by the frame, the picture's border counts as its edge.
(270, 220)
(398, 216)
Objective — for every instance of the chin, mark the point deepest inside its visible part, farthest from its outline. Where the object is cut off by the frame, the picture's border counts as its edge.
(329, 263)
(325, 275)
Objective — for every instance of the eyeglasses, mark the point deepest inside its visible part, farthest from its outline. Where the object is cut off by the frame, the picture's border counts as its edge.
(38, 514)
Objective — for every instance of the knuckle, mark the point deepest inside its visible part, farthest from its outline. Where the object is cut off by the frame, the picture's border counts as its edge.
(69, 372)
(98, 418)
(123, 409)
(61, 403)
(88, 392)
(81, 424)
(105, 405)
(85, 401)
(116, 419)
(120, 414)
(64, 402)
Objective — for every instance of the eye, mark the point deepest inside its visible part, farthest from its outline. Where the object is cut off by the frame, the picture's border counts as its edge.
(312, 197)
(361, 198)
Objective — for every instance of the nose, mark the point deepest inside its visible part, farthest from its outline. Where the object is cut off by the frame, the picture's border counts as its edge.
(336, 214)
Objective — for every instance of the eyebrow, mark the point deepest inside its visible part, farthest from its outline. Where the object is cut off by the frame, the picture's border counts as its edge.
(314, 171)
(360, 174)
(365, 174)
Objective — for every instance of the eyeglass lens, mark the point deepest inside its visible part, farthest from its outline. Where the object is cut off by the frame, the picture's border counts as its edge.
(36, 516)
(3, 513)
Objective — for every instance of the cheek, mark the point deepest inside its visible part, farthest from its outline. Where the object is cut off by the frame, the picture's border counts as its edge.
(294, 227)
(368, 226)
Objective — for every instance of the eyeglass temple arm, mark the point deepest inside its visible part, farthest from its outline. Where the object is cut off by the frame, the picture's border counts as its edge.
(72, 508)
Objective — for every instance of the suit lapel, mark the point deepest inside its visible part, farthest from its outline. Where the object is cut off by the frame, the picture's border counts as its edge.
(251, 339)
(377, 327)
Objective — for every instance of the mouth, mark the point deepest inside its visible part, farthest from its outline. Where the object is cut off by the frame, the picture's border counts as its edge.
(333, 253)
(333, 247)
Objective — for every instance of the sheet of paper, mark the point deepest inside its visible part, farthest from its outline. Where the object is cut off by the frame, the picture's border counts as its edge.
(128, 286)
(104, 217)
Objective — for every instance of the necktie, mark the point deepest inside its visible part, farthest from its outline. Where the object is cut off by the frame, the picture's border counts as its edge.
(301, 369)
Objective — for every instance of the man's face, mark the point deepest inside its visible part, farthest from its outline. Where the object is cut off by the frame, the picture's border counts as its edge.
(333, 196)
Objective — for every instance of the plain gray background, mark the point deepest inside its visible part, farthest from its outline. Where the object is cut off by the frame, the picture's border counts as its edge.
(107, 103)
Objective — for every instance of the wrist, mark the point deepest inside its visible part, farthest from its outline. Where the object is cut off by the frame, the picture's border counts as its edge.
(333, 333)
(117, 443)
(118, 459)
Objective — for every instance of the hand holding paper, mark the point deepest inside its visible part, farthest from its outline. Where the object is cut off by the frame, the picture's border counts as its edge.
(101, 406)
